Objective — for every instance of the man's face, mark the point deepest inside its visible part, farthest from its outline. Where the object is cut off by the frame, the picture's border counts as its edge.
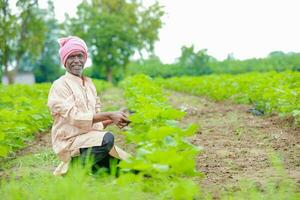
(75, 63)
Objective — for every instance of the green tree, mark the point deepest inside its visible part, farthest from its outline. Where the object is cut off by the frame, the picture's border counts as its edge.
(48, 67)
(115, 30)
(195, 63)
(276, 60)
(151, 66)
(8, 32)
(28, 30)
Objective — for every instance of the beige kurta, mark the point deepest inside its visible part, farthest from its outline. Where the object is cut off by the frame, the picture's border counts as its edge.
(72, 103)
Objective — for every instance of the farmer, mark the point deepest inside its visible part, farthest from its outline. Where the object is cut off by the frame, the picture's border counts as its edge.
(78, 124)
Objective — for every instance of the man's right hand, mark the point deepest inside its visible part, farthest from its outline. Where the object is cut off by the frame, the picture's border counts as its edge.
(119, 118)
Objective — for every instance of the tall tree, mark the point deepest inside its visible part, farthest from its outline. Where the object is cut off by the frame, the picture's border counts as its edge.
(195, 63)
(8, 31)
(48, 68)
(28, 29)
(115, 30)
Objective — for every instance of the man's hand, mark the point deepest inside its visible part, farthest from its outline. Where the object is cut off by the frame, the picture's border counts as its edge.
(107, 122)
(119, 118)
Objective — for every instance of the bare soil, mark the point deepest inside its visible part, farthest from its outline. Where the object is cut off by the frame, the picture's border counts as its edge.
(237, 145)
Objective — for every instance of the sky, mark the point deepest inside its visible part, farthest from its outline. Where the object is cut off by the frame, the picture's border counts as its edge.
(244, 28)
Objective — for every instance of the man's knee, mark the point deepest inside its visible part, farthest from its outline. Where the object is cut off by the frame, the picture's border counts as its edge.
(108, 140)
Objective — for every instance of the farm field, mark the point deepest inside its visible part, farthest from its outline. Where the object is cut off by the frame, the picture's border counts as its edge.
(202, 97)
(238, 154)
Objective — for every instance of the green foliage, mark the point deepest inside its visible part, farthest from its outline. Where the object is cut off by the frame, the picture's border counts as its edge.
(36, 183)
(77, 185)
(23, 112)
(28, 40)
(277, 61)
(48, 68)
(162, 148)
(99, 73)
(195, 63)
(153, 67)
(269, 92)
(8, 33)
(32, 27)
(192, 63)
(101, 85)
(22, 34)
(114, 30)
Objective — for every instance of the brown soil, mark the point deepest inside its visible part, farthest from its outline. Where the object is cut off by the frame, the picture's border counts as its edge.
(237, 145)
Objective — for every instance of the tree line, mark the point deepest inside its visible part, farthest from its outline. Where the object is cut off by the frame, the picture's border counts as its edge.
(195, 63)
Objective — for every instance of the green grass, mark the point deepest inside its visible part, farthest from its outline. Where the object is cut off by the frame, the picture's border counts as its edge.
(30, 178)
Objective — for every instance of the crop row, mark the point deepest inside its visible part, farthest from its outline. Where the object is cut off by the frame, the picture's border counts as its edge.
(162, 148)
(268, 92)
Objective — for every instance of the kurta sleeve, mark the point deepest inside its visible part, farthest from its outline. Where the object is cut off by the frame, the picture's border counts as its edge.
(62, 102)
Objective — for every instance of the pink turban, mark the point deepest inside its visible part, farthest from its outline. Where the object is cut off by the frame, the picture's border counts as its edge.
(69, 45)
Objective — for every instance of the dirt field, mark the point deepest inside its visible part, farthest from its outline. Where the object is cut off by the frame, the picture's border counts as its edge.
(237, 145)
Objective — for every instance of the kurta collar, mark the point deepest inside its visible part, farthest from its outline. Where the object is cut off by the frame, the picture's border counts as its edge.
(81, 81)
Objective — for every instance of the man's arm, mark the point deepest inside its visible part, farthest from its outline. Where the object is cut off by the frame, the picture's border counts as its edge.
(119, 118)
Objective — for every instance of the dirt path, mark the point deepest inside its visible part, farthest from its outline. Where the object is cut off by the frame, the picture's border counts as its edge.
(237, 145)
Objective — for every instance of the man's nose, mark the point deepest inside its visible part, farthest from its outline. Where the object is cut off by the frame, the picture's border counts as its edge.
(76, 58)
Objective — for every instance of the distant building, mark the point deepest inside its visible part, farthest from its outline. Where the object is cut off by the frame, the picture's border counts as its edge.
(21, 78)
